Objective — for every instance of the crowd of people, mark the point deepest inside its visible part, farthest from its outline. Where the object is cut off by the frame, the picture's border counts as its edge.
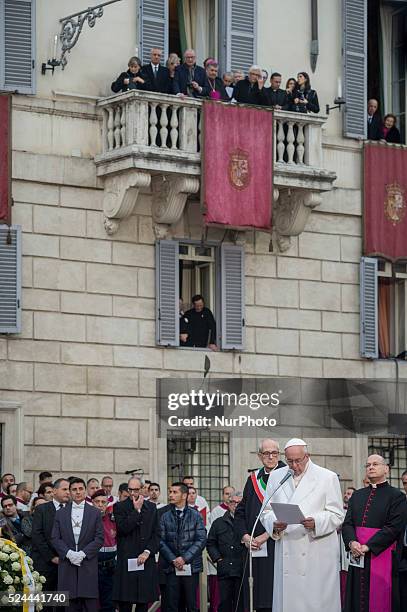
(111, 552)
(190, 79)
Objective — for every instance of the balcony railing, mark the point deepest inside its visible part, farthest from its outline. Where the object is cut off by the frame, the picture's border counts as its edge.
(162, 133)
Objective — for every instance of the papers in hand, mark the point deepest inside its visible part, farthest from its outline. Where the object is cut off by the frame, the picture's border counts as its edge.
(134, 566)
(186, 570)
(355, 561)
(288, 513)
(262, 552)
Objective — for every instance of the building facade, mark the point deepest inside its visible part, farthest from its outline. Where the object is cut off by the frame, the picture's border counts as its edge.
(99, 199)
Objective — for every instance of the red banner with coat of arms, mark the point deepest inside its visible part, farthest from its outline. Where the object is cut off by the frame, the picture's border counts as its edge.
(385, 201)
(237, 166)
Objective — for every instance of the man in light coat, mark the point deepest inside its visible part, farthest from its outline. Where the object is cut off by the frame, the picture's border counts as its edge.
(306, 571)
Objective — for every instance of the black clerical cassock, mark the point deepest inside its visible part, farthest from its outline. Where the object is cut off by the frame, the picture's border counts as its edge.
(245, 517)
(376, 517)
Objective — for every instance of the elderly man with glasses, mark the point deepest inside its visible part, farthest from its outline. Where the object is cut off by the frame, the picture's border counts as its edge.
(247, 90)
(245, 517)
(138, 541)
(306, 571)
(375, 523)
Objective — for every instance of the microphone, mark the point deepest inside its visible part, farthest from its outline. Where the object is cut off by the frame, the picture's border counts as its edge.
(287, 476)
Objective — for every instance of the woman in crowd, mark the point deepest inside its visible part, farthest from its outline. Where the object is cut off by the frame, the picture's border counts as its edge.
(27, 523)
(389, 131)
(289, 90)
(213, 86)
(305, 99)
(130, 79)
(172, 62)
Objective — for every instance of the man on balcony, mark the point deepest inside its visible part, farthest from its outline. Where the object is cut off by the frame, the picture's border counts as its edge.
(273, 95)
(189, 78)
(158, 76)
(374, 121)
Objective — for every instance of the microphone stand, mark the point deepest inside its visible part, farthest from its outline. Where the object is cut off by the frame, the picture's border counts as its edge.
(263, 507)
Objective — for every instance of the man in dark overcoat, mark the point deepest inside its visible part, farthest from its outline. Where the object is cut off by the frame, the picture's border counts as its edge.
(137, 538)
(77, 536)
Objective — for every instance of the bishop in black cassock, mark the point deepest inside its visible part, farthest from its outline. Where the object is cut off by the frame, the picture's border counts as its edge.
(245, 517)
(373, 526)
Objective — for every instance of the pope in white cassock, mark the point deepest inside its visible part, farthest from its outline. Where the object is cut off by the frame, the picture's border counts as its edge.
(306, 570)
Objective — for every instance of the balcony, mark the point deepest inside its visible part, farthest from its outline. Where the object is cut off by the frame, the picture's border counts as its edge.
(152, 142)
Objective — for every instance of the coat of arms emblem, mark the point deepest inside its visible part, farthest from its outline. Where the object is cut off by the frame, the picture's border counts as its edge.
(239, 169)
(394, 204)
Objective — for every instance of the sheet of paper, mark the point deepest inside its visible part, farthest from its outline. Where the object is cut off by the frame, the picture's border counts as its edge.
(186, 570)
(355, 561)
(288, 513)
(133, 566)
(262, 552)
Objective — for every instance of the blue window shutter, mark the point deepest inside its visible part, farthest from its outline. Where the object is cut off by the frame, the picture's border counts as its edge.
(354, 57)
(153, 28)
(232, 296)
(369, 343)
(237, 34)
(167, 292)
(10, 279)
(17, 46)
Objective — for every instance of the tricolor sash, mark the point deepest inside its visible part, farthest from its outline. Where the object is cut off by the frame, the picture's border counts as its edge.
(258, 485)
(380, 592)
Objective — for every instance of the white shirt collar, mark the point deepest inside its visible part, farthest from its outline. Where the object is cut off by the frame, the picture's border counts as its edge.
(80, 506)
(154, 66)
(57, 504)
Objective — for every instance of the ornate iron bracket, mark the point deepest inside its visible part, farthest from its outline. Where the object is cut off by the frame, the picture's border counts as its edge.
(71, 28)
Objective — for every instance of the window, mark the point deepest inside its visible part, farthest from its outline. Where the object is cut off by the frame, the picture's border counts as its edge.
(203, 455)
(17, 46)
(10, 279)
(399, 67)
(184, 268)
(383, 308)
(394, 451)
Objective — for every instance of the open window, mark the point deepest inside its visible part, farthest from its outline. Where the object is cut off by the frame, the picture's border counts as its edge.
(383, 307)
(187, 268)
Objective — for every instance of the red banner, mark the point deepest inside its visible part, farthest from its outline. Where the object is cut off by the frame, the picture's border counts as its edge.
(385, 201)
(237, 163)
(5, 158)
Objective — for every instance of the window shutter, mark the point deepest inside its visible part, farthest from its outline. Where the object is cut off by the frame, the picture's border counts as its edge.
(17, 46)
(167, 292)
(232, 296)
(10, 279)
(237, 34)
(368, 308)
(153, 28)
(354, 57)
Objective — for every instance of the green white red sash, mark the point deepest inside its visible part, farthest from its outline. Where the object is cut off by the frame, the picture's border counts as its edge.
(258, 485)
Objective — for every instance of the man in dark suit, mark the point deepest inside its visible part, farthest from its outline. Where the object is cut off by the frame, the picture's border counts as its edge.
(374, 120)
(189, 78)
(77, 536)
(138, 539)
(273, 95)
(158, 76)
(43, 553)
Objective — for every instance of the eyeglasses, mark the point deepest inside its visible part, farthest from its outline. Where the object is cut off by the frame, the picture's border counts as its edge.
(374, 464)
(133, 490)
(270, 454)
(296, 461)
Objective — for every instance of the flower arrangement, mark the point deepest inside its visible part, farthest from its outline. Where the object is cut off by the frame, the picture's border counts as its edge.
(17, 576)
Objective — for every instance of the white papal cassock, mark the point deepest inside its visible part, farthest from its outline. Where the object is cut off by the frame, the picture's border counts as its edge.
(306, 571)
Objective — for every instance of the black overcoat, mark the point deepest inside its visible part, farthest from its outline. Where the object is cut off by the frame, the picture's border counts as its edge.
(80, 581)
(136, 532)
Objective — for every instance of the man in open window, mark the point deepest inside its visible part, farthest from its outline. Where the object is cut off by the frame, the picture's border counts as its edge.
(201, 325)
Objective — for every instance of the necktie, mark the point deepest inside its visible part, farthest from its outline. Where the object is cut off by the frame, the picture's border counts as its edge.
(155, 71)
(60, 506)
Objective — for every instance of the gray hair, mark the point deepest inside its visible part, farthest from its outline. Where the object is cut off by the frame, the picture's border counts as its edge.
(255, 67)
(136, 478)
(265, 440)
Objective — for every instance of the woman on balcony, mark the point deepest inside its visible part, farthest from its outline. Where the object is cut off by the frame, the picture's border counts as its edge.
(172, 62)
(130, 79)
(389, 131)
(305, 99)
(289, 90)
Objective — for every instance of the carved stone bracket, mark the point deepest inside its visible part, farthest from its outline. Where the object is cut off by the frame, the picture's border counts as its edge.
(291, 213)
(170, 194)
(120, 197)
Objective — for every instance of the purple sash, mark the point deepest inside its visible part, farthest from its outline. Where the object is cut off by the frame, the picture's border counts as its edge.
(215, 95)
(380, 573)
